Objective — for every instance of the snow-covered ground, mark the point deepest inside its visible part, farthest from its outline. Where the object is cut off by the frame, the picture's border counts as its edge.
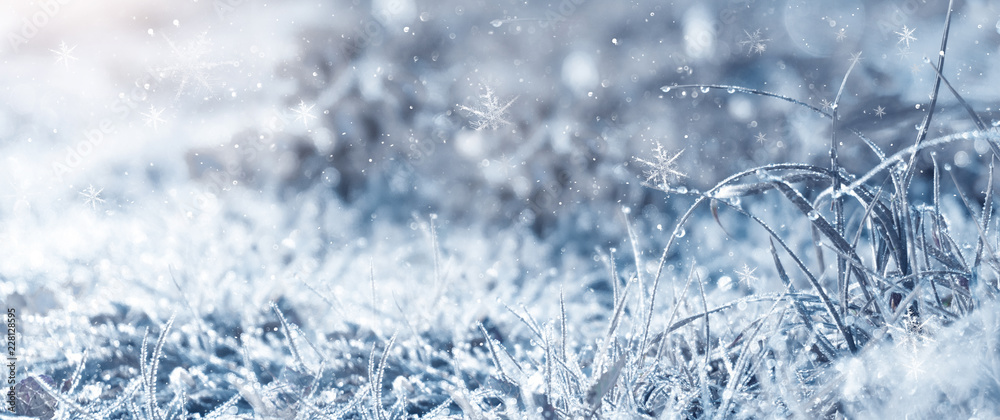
(406, 208)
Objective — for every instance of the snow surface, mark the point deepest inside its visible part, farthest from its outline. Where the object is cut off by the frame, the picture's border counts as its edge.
(408, 208)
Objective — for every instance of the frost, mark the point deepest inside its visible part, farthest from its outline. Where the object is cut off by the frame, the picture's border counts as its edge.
(403, 209)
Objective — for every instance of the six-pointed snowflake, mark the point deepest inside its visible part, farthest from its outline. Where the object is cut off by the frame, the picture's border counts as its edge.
(879, 111)
(304, 113)
(663, 168)
(754, 42)
(490, 113)
(841, 35)
(64, 54)
(906, 35)
(746, 275)
(92, 196)
(760, 137)
(152, 117)
(903, 53)
(855, 58)
(189, 64)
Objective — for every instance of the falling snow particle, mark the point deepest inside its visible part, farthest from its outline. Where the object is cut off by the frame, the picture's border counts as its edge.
(92, 196)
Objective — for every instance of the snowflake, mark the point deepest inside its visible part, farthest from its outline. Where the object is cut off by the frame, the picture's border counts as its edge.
(153, 117)
(879, 111)
(827, 105)
(663, 168)
(507, 163)
(913, 364)
(760, 137)
(841, 35)
(304, 113)
(903, 53)
(189, 64)
(92, 196)
(755, 42)
(906, 36)
(855, 58)
(746, 275)
(489, 113)
(64, 54)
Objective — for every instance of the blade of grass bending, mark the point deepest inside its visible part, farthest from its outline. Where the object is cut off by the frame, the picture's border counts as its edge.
(291, 341)
(549, 361)
(673, 237)
(708, 335)
(859, 189)
(673, 313)
(634, 240)
(904, 305)
(736, 381)
(68, 402)
(922, 244)
(797, 199)
(537, 328)
(613, 325)
(763, 297)
(376, 381)
(827, 230)
(750, 91)
(824, 345)
(529, 323)
(992, 255)
(857, 238)
(562, 323)
(75, 379)
(149, 369)
(986, 217)
(925, 126)
(856, 265)
(838, 203)
(715, 215)
(990, 135)
(742, 89)
(604, 383)
(614, 277)
(495, 356)
(975, 118)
